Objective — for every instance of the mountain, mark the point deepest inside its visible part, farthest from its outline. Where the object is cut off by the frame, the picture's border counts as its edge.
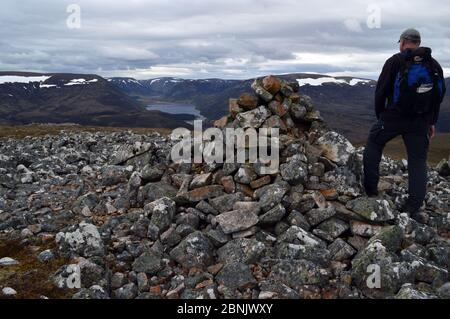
(345, 102)
(86, 99)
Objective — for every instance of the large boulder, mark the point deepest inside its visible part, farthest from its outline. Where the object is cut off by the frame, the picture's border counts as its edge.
(82, 239)
(335, 147)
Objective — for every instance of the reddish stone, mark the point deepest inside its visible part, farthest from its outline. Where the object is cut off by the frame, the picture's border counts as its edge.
(329, 194)
(279, 97)
(214, 269)
(234, 108)
(260, 182)
(204, 284)
(272, 84)
(277, 108)
(205, 192)
(228, 184)
(295, 98)
(156, 290)
(222, 122)
(245, 189)
(248, 101)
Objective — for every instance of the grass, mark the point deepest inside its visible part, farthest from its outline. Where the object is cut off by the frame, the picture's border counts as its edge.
(34, 130)
(30, 278)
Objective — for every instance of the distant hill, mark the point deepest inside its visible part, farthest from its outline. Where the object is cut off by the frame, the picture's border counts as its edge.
(345, 102)
(86, 99)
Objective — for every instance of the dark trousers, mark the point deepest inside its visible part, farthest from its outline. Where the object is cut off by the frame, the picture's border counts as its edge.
(415, 133)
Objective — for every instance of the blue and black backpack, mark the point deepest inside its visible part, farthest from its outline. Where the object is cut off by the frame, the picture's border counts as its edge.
(418, 86)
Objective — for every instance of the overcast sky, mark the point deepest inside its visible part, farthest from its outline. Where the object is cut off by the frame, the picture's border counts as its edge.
(207, 38)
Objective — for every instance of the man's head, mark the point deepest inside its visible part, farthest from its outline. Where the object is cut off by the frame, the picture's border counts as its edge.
(409, 39)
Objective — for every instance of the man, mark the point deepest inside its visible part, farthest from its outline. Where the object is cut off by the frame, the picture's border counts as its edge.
(407, 105)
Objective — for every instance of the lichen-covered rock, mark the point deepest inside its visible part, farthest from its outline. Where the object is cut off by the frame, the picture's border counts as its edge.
(298, 112)
(236, 275)
(271, 195)
(296, 273)
(243, 249)
(259, 89)
(372, 209)
(408, 292)
(148, 262)
(161, 212)
(294, 171)
(195, 250)
(443, 167)
(254, 118)
(83, 240)
(335, 147)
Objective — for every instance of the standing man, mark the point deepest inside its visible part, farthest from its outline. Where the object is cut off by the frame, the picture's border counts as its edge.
(407, 101)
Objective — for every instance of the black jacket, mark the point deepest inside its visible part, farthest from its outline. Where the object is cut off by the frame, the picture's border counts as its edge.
(385, 87)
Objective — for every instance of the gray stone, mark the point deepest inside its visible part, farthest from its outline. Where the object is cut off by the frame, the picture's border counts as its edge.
(331, 229)
(149, 262)
(226, 203)
(372, 209)
(296, 273)
(408, 292)
(206, 208)
(201, 180)
(236, 220)
(245, 175)
(129, 291)
(236, 275)
(112, 175)
(196, 250)
(8, 291)
(161, 212)
(45, 256)
(245, 250)
(8, 261)
(316, 216)
(273, 216)
(258, 87)
(340, 250)
(254, 118)
(294, 171)
(118, 279)
(335, 147)
(271, 195)
(84, 240)
(297, 112)
(151, 173)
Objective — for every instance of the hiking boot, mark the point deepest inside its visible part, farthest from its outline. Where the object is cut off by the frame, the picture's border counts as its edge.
(371, 192)
(414, 213)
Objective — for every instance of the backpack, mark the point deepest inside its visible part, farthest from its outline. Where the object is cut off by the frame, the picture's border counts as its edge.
(418, 87)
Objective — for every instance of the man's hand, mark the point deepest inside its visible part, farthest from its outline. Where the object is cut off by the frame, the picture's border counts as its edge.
(432, 131)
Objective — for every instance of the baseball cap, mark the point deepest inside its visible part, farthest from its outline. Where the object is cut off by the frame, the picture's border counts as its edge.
(410, 34)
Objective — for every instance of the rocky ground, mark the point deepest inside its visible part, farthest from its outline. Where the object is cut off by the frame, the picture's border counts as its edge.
(108, 215)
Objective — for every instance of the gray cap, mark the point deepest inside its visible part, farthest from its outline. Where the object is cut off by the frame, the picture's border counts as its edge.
(411, 35)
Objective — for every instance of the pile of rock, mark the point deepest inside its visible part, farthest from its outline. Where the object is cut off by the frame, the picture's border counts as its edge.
(137, 225)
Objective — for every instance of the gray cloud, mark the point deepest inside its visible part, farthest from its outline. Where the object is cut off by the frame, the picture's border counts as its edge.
(206, 38)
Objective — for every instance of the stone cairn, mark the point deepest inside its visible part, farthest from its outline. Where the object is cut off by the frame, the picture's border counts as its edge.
(145, 227)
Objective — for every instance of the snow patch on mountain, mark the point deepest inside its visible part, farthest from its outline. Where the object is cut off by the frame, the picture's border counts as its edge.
(322, 80)
(80, 82)
(22, 79)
